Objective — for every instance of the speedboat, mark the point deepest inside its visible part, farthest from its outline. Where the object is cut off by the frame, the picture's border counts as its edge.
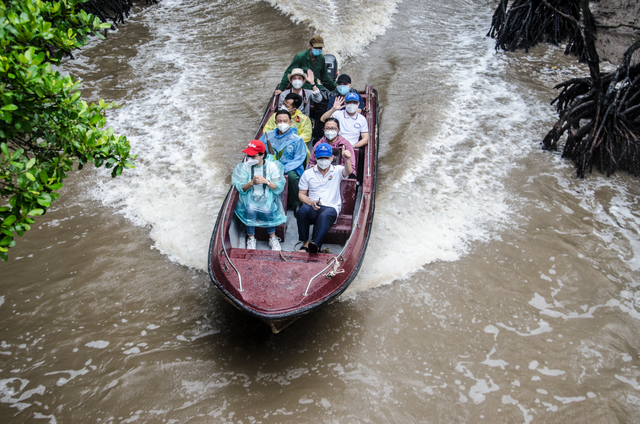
(279, 287)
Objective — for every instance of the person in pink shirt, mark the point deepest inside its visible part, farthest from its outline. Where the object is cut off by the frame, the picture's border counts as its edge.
(333, 138)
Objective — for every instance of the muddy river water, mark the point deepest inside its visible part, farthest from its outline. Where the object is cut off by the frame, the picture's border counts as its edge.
(497, 287)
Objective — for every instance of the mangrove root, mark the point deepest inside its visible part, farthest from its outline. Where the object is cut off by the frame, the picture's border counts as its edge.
(601, 116)
(529, 22)
(111, 10)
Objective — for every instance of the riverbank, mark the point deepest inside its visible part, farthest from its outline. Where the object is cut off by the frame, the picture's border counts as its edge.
(621, 28)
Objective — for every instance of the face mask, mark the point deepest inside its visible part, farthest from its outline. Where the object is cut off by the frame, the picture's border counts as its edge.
(330, 134)
(296, 84)
(251, 161)
(343, 89)
(284, 127)
(352, 107)
(324, 163)
(316, 52)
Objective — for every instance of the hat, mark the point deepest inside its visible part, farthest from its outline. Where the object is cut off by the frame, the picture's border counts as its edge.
(296, 71)
(351, 97)
(254, 147)
(344, 78)
(316, 41)
(324, 150)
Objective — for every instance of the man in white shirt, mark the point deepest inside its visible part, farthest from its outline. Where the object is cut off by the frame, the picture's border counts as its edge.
(352, 124)
(320, 195)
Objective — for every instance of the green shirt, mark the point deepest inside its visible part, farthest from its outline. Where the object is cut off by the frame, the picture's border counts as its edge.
(318, 66)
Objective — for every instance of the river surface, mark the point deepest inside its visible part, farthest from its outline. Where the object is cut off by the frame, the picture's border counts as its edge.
(497, 287)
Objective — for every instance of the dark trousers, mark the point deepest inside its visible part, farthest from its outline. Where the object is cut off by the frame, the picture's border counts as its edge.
(292, 196)
(323, 218)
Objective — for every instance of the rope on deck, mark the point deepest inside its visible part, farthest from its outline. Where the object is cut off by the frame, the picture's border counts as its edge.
(336, 268)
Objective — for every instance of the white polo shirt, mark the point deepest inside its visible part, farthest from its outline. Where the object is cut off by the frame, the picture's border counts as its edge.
(326, 188)
(351, 126)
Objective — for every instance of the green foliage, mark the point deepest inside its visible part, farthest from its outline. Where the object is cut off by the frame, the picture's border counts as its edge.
(45, 128)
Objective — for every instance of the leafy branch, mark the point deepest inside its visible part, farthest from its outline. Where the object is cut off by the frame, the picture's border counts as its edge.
(45, 128)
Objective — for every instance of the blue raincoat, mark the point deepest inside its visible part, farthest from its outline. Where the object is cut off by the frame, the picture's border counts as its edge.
(290, 149)
(260, 206)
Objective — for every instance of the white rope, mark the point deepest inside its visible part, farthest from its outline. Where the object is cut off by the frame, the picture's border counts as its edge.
(335, 271)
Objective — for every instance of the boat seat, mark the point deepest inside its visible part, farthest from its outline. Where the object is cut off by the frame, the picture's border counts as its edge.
(281, 230)
(340, 231)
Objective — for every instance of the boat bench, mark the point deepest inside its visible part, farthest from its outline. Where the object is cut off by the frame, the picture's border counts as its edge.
(281, 230)
(340, 231)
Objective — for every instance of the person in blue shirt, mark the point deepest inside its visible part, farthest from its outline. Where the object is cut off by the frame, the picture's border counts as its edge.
(290, 150)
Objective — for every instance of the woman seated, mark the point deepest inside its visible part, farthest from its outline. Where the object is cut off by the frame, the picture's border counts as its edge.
(337, 142)
(259, 180)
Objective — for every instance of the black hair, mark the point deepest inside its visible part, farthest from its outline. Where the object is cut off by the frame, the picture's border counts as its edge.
(297, 100)
(333, 120)
(283, 112)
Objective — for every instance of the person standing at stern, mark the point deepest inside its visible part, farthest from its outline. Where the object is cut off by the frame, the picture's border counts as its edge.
(259, 183)
(313, 59)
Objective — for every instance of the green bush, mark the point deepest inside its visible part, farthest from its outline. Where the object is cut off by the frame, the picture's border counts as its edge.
(45, 128)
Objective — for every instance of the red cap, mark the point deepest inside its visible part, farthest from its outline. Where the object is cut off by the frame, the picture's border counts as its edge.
(254, 147)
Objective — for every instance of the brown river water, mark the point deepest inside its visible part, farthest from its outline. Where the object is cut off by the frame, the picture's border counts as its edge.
(497, 287)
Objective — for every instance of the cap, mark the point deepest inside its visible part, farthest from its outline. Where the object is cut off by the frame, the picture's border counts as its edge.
(296, 71)
(344, 78)
(351, 97)
(316, 41)
(254, 147)
(324, 150)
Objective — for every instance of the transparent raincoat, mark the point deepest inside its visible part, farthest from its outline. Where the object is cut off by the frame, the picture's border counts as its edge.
(260, 206)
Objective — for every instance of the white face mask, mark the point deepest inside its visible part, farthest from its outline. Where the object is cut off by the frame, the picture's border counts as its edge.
(352, 107)
(283, 127)
(330, 134)
(324, 163)
(296, 84)
(251, 161)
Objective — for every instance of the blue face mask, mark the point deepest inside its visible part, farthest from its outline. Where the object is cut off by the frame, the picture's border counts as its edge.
(316, 52)
(343, 89)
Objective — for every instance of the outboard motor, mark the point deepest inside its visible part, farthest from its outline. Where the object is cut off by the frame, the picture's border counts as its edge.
(332, 66)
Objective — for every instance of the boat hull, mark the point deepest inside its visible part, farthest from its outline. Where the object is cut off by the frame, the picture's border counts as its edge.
(279, 287)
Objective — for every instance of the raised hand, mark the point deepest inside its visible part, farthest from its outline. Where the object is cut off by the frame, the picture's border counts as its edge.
(345, 153)
(338, 103)
(310, 77)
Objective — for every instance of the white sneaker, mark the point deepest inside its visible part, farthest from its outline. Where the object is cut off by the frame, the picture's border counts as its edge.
(274, 242)
(251, 243)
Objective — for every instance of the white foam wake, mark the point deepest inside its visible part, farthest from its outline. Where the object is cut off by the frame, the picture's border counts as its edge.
(452, 192)
(347, 27)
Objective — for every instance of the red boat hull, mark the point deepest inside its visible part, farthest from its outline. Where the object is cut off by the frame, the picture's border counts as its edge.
(279, 287)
